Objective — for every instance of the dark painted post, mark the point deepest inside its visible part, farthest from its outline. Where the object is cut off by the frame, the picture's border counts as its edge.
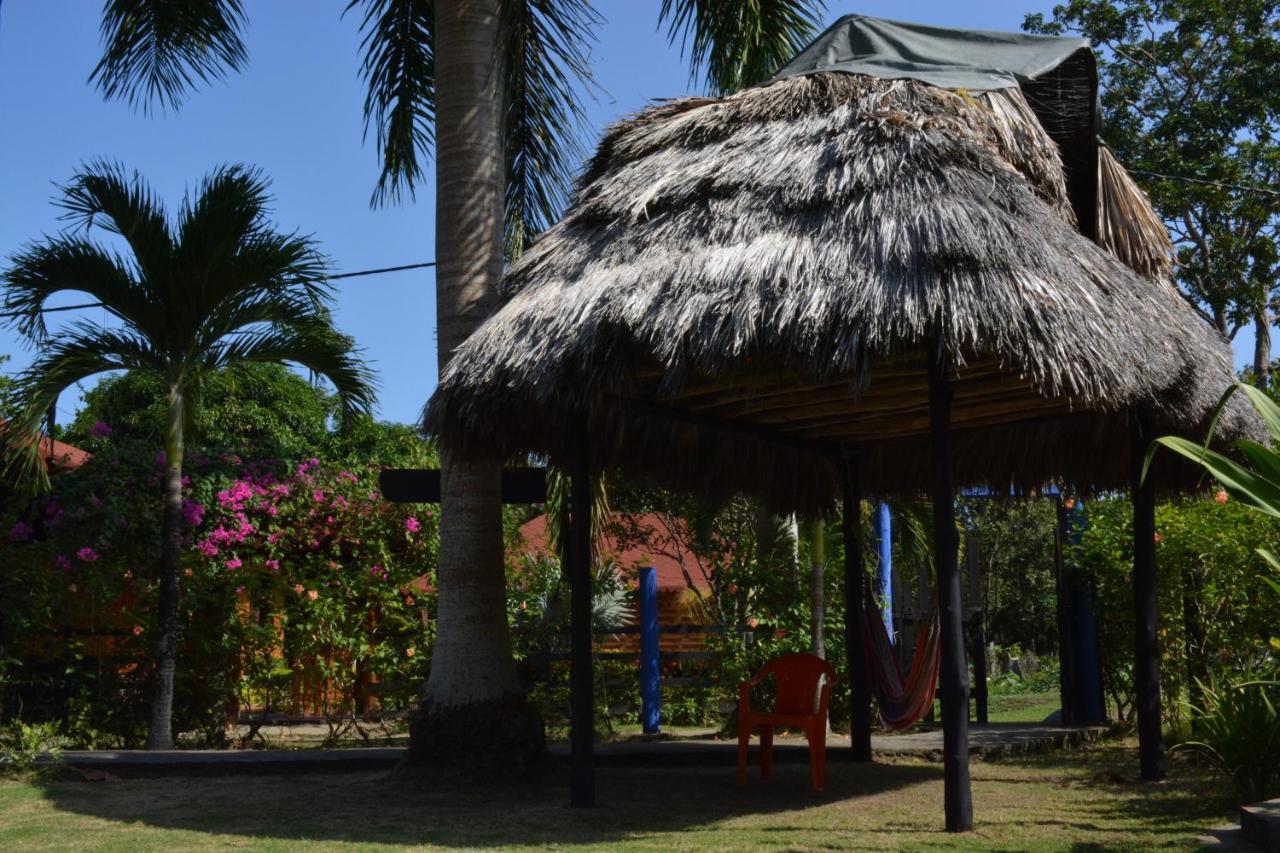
(1067, 680)
(1146, 649)
(650, 677)
(855, 613)
(581, 703)
(954, 680)
(977, 631)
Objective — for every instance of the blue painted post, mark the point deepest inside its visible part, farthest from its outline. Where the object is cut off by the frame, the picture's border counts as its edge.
(1089, 683)
(884, 583)
(650, 692)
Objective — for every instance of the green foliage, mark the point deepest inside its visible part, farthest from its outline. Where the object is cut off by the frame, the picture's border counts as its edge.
(265, 411)
(734, 44)
(21, 744)
(301, 594)
(1238, 725)
(1211, 615)
(1019, 594)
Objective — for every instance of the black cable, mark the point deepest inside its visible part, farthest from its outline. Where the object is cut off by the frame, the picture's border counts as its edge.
(11, 314)
(1222, 184)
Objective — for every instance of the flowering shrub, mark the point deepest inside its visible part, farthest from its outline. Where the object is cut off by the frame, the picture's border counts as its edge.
(303, 592)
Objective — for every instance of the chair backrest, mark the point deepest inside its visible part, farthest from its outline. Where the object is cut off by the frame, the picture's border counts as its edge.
(798, 676)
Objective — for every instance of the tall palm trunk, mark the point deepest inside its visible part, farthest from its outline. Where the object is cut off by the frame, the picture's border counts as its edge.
(1262, 347)
(474, 715)
(160, 734)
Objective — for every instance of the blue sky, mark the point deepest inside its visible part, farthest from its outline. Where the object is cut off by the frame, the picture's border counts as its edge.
(296, 113)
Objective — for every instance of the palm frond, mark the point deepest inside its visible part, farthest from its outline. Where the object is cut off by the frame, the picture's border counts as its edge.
(399, 73)
(312, 343)
(157, 51)
(229, 252)
(106, 195)
(735, 44)
(548, 45)
(60, 265)
(77, 353)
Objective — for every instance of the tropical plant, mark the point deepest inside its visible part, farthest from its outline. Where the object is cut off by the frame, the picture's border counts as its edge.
(22, 744)
(214, 286)
(1256, 483)
(1238, 726)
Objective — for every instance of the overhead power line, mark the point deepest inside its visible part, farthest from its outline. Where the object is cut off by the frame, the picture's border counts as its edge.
(1208, 183)
(357, 273)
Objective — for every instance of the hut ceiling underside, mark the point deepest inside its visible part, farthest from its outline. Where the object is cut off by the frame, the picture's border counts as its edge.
(828, 414)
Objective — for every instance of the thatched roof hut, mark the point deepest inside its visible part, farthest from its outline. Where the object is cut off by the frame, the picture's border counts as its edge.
(903, 264)
(774, 262)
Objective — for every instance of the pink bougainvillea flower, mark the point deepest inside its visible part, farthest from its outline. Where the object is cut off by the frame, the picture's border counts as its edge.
(312, 594)
(412, 524)
(100, 430)
(233, 564)
(61, 562)
(273, 538)
(317, 496)
(1220, 496)
(299, 588)
(137, 630)
(208, 548)
(273, 565)
(87, 554)
(193, 512)
(240, 590)
(20, 532)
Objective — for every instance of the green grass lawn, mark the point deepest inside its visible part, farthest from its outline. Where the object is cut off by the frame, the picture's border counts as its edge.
(1084, 799)
(1022, 707)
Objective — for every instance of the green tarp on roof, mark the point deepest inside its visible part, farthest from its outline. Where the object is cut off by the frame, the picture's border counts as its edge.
(977, 60)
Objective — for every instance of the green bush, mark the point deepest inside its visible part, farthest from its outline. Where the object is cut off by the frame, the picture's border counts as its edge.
(1238, 725)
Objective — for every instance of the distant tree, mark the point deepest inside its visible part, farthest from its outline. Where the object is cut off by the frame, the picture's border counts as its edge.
(258, 410)
(1189, 89)
(212, 287)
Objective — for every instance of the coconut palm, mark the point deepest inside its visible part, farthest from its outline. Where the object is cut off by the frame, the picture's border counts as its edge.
(213, 287)
(492, 89)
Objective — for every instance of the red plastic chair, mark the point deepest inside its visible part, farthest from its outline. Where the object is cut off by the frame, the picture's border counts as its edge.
(801, 704)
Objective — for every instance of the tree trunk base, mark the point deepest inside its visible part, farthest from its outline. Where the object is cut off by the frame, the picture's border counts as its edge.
(503, 739)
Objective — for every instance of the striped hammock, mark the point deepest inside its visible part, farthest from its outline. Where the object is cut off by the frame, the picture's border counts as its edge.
(903, 698)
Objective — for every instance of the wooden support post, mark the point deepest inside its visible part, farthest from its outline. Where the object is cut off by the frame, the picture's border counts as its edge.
(855, 613)
(977, 631)
(1146, 649)
(954, 680)
(581, 702)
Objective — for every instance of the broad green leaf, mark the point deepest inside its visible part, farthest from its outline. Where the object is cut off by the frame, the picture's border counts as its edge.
(1242, 483)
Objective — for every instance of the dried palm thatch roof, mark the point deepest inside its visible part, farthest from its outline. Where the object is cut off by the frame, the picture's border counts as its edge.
(744, 287)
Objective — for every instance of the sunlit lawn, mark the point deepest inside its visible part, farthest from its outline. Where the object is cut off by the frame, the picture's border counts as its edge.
(1082, 798)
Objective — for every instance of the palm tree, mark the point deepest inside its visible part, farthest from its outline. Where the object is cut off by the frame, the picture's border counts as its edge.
(491, 88)
(214, 287)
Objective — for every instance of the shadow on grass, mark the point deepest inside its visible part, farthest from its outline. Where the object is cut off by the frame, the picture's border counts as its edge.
(371, 807)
